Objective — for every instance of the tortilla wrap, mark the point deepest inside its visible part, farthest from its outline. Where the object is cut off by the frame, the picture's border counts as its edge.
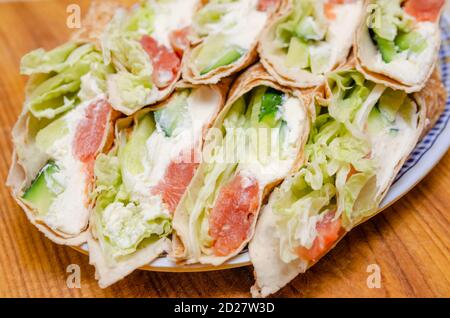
(129, 62)
(410, 76)
(271, 272)
(27, 159)
(273, 58)
(214, 76)
(183, 249)
(110, 271)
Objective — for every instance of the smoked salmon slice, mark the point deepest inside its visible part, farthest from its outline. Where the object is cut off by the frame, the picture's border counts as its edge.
(330, 5)
(166, 63)
(424, 10)
(328, 231)
(179, 39)
(90, 132)
(176, 180)
(232, 216)
(265, 5)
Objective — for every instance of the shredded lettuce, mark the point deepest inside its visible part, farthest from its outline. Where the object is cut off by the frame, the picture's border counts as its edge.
(40, 61)
(57, 78)
(123, 224)
(302, 35)
(339, 175)
(392, 31)
(259, 108)
(132, 85)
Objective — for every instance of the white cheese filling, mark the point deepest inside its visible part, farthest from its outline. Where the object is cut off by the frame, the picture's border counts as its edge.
(170, 16)
(69, 211)
(203, 104)
(241, 25)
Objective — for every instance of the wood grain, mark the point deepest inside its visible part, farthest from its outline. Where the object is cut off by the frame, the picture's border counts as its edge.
(410, 241)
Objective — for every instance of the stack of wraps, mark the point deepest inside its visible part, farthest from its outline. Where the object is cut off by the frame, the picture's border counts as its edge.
(196, 128)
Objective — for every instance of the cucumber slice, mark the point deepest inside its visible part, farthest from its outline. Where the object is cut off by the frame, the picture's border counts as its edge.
(254, 109)
(387, 49)
(175, 114)
(390, 103)
(43, 190)
(376, 122)
(135, 149)
(298, 54)
(47, 136)
(413, 41)
(320, 59)
(215, 53)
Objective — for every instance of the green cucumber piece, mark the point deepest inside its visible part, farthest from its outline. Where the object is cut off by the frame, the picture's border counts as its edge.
(413, 41)
(376, 122)
(298, 54)
(132, 153)
(43, 190)
(47, 136)
(387, 49)
(228, 56)
(390, 103)
(174, 114)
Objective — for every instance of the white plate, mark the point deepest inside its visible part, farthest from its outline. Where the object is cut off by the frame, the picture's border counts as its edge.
(423, 159)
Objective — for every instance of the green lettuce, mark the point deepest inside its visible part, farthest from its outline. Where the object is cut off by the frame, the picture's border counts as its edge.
(259, 108)
(217, 49)
(123, 225)
(174, 117)
(132, 86)
(339, 175)
(301, 34)
(210, 14)
(392, 30)
(41, 61)
(55, 84)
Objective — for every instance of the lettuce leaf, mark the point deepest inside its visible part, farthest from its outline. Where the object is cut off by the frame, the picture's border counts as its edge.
(125, 228)
(132, 86)
(123, 224)
(58, 92)
(301, 32)
(40, 61)
(339, 175)
(393, 31)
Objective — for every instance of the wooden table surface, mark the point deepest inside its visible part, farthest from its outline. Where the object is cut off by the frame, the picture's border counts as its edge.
(409, 241)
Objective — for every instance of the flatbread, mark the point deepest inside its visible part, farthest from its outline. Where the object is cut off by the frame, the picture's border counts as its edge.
(219, 73)
(108, 272)
(253, 77)
(271, 273)
(366, 53)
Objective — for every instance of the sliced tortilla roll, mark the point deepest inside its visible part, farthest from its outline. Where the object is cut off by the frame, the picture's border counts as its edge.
(356, 147)
(141, 180)
(227, 34)
(397, 43)
(309, 39)
(255, 143)
(146, 45)
(66, 121)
